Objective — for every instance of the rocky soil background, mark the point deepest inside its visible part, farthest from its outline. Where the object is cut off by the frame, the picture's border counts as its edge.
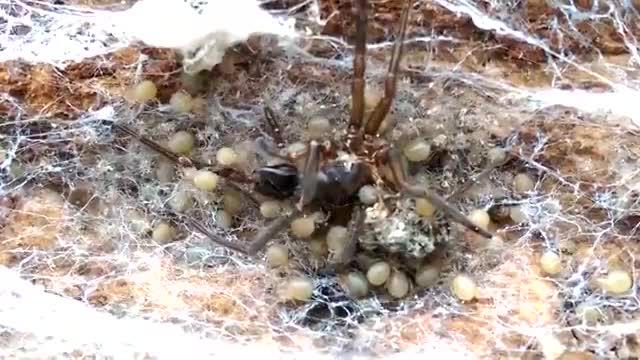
(550, 80)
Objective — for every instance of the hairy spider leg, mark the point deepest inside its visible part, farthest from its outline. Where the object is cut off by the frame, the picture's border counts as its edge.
(176, 158)
(310, 174)
(267, 233)
(261, 238)
(477, 178)
(258, 242)
(276, 133)
(274, 128)
(359, 67)
(391, 79)
(217, 239)
(225, 172)
(399, 170)
(356, 229)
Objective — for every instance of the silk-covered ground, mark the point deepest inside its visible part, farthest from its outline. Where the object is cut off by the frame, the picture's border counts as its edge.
(80, 199)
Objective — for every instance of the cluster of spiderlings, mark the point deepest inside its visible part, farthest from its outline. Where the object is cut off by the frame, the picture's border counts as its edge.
(377, 273)
(145, 91)
(203, 180)
(396, 281)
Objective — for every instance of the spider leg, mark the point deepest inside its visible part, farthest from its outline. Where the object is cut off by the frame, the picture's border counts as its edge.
(390, 82)
(269, 232)
(359, 66)
(216, 238)
(357, 227)
(260, 240)
(227, 173)
(264, 147)
(273, 127)
(475, 179)
(176, 158)
(310, 174)
(399, 170)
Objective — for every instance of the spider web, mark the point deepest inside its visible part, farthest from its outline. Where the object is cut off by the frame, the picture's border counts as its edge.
(554, 81)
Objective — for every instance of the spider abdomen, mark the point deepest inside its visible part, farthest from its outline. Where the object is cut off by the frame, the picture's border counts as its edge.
(277, 181)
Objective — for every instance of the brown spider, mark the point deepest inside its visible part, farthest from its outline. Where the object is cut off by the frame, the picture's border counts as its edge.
(333, 171)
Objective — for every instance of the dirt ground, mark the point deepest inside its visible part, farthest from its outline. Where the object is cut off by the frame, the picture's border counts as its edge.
(80, 200)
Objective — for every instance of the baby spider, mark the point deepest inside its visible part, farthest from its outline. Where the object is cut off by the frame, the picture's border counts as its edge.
(329, 173)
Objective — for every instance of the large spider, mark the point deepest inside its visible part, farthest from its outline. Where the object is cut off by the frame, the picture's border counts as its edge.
(335, 169)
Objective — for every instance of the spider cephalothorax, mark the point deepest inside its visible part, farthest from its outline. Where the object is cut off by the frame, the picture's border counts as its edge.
(330, 172)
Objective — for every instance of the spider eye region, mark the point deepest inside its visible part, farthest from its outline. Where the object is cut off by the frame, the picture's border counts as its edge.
(277, 181)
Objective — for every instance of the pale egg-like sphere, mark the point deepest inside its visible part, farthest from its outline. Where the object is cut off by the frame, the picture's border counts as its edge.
(496, 155)
(398, 284)
(617, 282)
(495, 243)
(277, 255)
(464, 288)
(551, 263)
(518, 214)
(189, 173)
(425, 208)
(303, 227)
(356, 285)
(568, 246)
(368, 195)
(523, 183)
(417, 150)
(206, 180)
(480, 218)
(16, 169)
(181, 102)
(299, 288)
(410, 332)
(551, 346)
(379, 273)
(182, 142)
(144, 91)
(163, 233)
(226, 156)
(270, 209)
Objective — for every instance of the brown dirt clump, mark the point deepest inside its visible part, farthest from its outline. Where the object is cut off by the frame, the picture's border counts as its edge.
(88, 85)
(36, 220)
